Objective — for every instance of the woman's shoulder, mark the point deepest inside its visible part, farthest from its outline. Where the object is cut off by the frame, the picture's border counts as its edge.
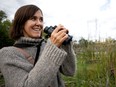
(6, 53)
(10, 52)
(7, 49)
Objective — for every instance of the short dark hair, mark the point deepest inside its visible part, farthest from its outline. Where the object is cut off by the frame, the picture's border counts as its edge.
(21, 16)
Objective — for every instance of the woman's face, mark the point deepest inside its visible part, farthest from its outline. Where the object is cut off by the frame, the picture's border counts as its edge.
(34, 26)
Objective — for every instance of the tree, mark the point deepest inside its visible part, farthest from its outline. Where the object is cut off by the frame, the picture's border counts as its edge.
(4, 30)
(2, 15)
(83, 42)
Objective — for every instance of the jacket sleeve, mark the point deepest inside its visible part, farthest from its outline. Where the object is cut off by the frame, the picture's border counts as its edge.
(69, 65)
(18, 72)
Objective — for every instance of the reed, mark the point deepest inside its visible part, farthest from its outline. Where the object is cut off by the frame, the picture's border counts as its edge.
(96, 67)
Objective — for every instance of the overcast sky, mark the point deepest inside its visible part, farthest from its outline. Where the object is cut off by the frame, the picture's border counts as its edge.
(91, 19)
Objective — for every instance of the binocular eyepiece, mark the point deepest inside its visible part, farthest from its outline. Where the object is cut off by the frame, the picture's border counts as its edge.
(50, 29)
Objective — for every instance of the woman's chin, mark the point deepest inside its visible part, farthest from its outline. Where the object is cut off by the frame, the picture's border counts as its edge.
(36, 37)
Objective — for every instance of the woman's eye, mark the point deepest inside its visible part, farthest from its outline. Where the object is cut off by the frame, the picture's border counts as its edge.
(41, 19)
(33, 18)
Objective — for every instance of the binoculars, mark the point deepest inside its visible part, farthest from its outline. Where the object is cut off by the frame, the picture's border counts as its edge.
(50, 29)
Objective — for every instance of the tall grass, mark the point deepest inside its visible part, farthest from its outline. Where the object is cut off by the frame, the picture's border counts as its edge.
(96, 67)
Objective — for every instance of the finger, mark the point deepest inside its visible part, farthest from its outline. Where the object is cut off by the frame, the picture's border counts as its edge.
(63, 38)
(61, 26)
(59, 36)
(60, 39)
(63, 31)
(58, 28)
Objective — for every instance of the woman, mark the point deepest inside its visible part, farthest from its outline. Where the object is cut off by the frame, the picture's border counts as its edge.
(54, 58)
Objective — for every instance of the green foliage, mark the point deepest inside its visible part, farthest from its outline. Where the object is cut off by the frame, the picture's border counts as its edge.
(4, 30)
(96, 66)
(2, 15)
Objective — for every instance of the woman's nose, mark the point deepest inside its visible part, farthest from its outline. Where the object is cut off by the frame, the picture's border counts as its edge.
(39, 22)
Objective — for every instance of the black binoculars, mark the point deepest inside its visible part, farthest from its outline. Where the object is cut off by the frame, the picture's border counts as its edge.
(50, 29)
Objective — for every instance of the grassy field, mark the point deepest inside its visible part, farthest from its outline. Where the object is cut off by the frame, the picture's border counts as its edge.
(96, 67)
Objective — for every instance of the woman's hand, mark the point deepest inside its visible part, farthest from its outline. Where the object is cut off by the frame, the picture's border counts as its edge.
(59, 35)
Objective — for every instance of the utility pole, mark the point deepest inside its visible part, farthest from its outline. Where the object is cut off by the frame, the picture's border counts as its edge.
(96, 26)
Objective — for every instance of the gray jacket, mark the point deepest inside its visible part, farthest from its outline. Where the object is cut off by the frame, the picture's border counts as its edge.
(19, 72)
